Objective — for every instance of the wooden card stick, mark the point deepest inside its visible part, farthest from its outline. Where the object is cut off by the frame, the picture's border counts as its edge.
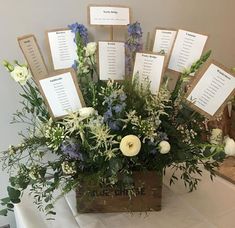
(111, 33)
(147, 42)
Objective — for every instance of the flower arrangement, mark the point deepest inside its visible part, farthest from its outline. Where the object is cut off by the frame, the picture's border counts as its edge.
(124, 128)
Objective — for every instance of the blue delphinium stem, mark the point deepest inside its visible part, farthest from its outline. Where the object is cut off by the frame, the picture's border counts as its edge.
(81, 40)
(133, 45)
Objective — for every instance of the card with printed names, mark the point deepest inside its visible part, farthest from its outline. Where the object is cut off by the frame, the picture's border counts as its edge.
(149, 69)
(109, 15)
(187, 49)
(212, 90)
(61, 94)
(111, 60)
(164, 40)
(63, 49)
(33, 55)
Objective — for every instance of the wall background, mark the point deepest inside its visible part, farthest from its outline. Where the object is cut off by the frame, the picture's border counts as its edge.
(213, 17)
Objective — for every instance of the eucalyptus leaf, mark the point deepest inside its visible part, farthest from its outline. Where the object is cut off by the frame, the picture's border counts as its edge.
(13, 193)
(4, 212)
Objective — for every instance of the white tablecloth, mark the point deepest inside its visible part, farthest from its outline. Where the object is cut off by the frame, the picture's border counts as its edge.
(212, 205)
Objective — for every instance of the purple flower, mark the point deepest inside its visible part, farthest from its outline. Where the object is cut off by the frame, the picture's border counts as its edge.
(81, 30)
(75, 65)
(119, 107)
(114, 125)
(123, 97)
(163, 136)
(133, 44)
(72, 149)
(153, 146)
(153, 151)
(135, 30)
(107, 115)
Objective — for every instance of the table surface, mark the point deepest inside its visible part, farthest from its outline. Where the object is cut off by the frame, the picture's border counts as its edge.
(211, 206)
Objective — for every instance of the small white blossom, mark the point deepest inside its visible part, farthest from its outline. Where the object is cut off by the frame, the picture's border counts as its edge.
(90, 48)
(68, 168)
(216, 136)
(11, 150)
(229, 148)
(72, 122)
(55, 135)
(86, 112)
(164, 147)
(34, 173)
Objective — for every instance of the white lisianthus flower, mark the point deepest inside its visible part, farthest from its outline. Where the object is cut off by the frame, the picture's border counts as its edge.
(21, 74)
(86, 112)
(216, 136)
(164, 147)
(130, 145)
(90, 48)
(229, 148)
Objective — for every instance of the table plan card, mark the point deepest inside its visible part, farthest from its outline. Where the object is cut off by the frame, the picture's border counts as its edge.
(62, 93)
(33, 56)
(213, 87)
(63, 49)
(187, 49)
(109, 15)
(164, 40)
(111, 60)
(149, 67)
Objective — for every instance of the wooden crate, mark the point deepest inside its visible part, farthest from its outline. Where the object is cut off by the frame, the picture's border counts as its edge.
(148, 188)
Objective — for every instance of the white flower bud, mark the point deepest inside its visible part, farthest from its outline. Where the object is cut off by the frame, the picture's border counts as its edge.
(216, 136)
(90, 48)
(86, 112)
(164, 147)
(229, 148)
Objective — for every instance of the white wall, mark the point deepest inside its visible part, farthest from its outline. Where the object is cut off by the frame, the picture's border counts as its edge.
(212, 17)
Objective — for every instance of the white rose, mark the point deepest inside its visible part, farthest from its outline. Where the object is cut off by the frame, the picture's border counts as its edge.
(90, 48)
(21, 74)
(164, 147)
(130, 145)
(216, 136)
(229, 148)
(86, 112)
